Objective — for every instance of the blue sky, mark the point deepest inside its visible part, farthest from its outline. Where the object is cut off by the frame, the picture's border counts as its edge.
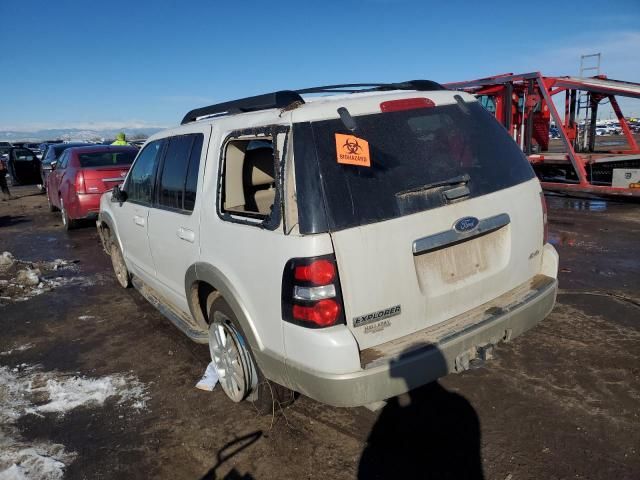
(75, 63)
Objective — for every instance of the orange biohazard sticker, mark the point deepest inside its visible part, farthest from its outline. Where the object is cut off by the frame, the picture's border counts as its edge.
(351, 150)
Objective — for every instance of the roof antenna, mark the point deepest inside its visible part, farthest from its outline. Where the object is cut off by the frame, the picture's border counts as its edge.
(347, 120)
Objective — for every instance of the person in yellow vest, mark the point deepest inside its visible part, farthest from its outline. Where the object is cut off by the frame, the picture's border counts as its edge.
(120, 139)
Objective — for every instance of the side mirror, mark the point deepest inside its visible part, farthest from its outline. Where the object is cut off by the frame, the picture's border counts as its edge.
(118, 195)
(53, 165)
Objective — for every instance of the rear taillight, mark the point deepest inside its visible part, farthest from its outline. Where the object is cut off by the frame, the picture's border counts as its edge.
(545, 234)
(80, 187)
(311, 294)
(406, 104)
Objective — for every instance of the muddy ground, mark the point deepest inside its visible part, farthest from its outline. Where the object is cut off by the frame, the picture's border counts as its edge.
(562, 401)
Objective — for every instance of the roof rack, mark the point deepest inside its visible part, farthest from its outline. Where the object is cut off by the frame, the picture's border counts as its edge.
(284, 98)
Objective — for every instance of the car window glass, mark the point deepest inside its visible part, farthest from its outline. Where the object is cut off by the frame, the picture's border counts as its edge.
(139, 186)
(106, 159)
(410, 157)
(23, 155)
(62, 161)
(174, 171)
(191, 184)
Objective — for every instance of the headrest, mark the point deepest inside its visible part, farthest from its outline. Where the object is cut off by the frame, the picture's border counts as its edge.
(259, 167)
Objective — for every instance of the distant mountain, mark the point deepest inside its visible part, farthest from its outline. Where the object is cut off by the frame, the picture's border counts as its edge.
(71, 134)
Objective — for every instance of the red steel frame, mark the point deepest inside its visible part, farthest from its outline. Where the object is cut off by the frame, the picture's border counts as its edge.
(501, 89)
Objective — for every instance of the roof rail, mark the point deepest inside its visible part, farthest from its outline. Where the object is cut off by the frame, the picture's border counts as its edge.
(284, 98)
(419, 85)
(279, 99)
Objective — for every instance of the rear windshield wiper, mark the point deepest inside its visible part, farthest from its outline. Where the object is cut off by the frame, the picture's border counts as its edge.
(459, 180)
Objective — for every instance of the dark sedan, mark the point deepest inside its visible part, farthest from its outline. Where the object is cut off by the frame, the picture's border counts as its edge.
(23, 166)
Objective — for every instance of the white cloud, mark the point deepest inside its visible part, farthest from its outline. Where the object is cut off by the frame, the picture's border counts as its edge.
(98, 125)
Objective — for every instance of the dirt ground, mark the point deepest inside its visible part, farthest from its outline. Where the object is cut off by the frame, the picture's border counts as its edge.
(562, 401)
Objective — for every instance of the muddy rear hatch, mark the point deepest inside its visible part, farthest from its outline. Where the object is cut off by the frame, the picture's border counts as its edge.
(433, 210)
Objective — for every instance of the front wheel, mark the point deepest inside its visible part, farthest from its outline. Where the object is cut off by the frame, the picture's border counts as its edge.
(239, 375)
(119, 267)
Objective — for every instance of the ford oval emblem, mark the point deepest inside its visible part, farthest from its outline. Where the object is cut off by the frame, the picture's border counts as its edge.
(466, 224)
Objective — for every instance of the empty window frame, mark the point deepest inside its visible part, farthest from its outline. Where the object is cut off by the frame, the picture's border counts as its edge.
(249, 178)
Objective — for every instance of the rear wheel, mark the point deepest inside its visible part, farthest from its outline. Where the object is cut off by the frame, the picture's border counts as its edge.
(239, 375)
(119, 267)
(67, 222)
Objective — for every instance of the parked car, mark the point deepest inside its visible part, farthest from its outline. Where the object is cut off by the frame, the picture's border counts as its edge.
(35, 148)
(348, 247)
(6, 144)
(23, 166)
(4, 152)
(81, 176)
(50, 157)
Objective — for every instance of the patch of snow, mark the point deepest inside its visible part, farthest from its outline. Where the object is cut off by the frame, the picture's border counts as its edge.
(20, 348)
(86, 317)
(6, 259)
(27, 390)
(41, 461)
(69, 393)
(28, 277)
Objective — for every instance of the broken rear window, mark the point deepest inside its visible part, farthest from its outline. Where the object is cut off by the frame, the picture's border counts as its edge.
(413, 158)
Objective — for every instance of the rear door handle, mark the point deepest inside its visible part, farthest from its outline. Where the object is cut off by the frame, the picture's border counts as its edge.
(138, 220)
(187, 235)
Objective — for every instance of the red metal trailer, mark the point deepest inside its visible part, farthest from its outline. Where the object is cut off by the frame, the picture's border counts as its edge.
(523, 104)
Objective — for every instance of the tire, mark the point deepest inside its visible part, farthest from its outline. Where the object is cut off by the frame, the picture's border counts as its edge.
(52, 207)
(119, 267)
(67, 222)
(247, 381)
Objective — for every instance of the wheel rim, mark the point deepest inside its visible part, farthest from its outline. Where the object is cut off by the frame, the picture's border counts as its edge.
(229, 357)
(119, 267)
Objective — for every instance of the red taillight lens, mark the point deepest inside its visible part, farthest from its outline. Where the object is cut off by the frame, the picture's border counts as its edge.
(545, 234)
(80, 187)
(406, 104)
(320, 272)
(324, 313)
(311, 293)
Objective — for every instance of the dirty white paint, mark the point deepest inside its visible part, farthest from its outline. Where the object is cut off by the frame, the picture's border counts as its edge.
(27, 390)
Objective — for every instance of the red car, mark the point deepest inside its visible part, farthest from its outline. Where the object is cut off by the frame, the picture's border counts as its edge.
(82, 175)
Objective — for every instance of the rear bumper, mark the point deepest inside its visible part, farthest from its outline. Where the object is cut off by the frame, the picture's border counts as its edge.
(405, 364)
(86, 206)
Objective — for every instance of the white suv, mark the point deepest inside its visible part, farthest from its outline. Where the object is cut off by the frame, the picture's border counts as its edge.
(347, 246)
